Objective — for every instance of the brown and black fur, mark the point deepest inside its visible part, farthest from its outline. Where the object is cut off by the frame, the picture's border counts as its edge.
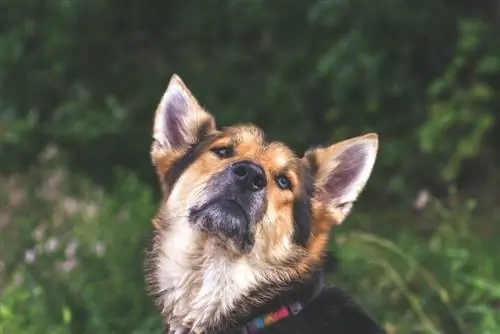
(244, 223)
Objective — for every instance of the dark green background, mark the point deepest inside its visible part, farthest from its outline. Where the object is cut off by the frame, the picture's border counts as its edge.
(84, 76)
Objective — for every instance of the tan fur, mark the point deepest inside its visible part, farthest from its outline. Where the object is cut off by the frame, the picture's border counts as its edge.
(207, 279)
(205, 275)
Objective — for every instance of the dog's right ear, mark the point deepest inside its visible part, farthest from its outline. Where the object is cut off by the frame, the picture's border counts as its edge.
(179, 121)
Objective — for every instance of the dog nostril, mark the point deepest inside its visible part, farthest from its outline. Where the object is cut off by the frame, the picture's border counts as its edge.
(259, 182)
(240, 171)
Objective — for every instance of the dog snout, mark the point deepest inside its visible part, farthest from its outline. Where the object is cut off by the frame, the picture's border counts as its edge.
(249, 176)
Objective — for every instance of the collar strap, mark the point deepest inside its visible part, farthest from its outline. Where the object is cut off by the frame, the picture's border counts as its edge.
(283, 312)
(270, 318)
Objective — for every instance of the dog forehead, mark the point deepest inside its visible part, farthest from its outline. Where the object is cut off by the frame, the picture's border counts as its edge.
(280, 157)
(250, 141)
(246, 133)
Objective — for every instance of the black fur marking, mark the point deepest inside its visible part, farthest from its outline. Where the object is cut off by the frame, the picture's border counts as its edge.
(204, 129)
(193, 153)
(302, 214)
(312, 163)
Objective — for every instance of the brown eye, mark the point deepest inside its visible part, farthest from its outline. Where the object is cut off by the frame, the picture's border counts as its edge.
(223, 152)
(283, 182)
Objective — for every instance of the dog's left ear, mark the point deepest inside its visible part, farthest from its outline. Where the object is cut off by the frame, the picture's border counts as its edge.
(341, 172)
(180, 120)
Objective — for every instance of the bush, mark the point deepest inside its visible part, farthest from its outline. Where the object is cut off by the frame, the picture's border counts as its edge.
(436, 274)
(422, 74)
(87, 75)
(76, 263)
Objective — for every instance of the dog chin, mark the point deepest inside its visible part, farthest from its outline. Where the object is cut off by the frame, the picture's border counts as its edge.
(226, 219)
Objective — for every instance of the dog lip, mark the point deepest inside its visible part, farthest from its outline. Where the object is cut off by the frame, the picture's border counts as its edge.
(243, 212)
(196, 211)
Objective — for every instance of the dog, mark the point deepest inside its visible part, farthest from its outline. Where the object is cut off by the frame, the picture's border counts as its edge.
(241, 235)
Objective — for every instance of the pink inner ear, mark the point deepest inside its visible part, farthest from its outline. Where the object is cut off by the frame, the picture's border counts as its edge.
(350, 163)
(174, 114)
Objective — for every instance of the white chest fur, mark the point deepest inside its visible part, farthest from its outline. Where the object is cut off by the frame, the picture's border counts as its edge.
(200, 283)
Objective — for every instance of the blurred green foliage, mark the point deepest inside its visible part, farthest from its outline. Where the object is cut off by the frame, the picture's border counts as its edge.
(77, 264)
(79, 82)
(88, 74)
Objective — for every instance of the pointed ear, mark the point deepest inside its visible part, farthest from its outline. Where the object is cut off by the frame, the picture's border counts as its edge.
(341, 172)
(179, 120)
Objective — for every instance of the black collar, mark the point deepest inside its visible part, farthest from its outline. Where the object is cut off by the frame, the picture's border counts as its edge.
(267, 319)
(285, 311)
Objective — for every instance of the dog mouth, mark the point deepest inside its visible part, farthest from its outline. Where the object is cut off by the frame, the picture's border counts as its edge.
(219, 208)
(224, 217)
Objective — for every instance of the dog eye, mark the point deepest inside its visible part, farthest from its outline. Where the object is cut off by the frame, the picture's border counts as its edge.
(223, 152)
(283, 182)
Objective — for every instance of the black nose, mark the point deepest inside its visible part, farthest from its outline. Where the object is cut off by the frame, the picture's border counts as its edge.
(249, 175)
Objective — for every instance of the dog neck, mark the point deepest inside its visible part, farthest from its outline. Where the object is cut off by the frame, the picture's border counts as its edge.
(203, 290)
(291, 301)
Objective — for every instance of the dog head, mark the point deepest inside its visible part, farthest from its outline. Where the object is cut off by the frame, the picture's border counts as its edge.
(238, 211)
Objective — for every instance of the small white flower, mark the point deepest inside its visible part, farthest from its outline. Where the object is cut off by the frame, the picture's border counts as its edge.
(30, 256)
(50, 152)
(100, 248)
(68, 265)
(70, 205)
(50, 189)
(91, 210)
(71, 248)
(39, 232)
(422, 200)
(51, 245)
